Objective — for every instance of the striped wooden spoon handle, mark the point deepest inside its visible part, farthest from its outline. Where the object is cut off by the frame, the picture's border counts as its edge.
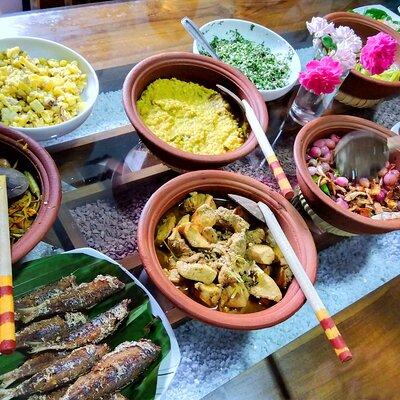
(284, 185)
(333, 335)
(7, 326)
(311, 294)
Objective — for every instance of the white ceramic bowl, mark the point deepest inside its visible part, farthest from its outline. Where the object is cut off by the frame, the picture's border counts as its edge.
(258, 34)
(37, 47)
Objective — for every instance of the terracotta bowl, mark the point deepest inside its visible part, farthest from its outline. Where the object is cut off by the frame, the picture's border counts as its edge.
(356, 84)
(318, 201)
(38, 162)
(198, 69)
(222, 182)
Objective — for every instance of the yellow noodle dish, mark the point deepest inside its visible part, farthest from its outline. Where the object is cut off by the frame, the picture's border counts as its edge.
(190, 117)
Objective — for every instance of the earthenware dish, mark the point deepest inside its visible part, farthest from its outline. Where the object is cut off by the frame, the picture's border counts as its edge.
(257, 34)
(221, 182)
(356, 84)
(33, 158)
(198, 69)
(37, 47)
(318, 201)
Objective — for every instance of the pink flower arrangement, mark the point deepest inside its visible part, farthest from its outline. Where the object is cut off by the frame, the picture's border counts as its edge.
(379, 53)
(321, 76)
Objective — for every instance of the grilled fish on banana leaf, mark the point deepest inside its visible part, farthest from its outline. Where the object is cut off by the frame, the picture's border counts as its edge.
(93, 331)
(81, 297)
(57, 395)
(31, 367)
(45, 292)
(114, 371)
(51, 329)
(64, 370)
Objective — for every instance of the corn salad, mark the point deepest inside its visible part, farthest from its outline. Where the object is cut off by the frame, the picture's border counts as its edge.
(37, 92)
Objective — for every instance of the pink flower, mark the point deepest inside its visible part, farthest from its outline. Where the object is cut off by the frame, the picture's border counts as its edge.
(321, 76)
(379, 53)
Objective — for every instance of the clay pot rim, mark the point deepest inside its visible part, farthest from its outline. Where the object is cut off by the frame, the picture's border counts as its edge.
(47, 171)
(176, 58)
(301, 143)
(177, 188)
(333, 17)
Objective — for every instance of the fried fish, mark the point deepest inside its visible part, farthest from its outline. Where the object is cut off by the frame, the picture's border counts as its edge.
(57, 395)
(77, 298)
(93, 331)
(64, 370)
(51, 329)
(45, 292)
(114, 371)
(31, 367)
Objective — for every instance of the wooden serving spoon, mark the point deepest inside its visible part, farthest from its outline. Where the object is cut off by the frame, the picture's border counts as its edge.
(249, 115)
(12, 184)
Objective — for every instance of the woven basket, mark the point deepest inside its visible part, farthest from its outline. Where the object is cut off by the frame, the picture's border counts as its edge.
(300, 202)
(355, 101)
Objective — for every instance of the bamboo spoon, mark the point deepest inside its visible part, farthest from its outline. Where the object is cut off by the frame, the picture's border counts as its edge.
(331, 331)
(7, 326)
(273, 162)
(263, 213)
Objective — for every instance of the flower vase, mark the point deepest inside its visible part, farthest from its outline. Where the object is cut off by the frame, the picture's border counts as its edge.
(307, 105)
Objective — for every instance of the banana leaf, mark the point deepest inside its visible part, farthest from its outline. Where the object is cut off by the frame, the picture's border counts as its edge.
(140, 323)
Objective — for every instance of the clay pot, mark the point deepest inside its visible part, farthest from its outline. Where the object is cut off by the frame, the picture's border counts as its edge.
(198, 69)
(33, 158)
(319, 202)
(356, 84)
(222, 183)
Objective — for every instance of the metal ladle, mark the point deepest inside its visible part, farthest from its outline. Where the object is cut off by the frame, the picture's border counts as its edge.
(193, 30)
(17, 183)
(361, 154)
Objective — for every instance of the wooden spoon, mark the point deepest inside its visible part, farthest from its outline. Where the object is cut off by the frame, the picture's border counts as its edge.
(7, 326)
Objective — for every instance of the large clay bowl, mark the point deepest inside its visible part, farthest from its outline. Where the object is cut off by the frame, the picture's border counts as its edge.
(221, 182)
(318, 201)
(198, 69)
(356, 84)
(33, 158)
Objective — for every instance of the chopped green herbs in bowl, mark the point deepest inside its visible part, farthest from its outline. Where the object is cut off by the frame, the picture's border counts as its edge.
(267, 59)
(264, 68)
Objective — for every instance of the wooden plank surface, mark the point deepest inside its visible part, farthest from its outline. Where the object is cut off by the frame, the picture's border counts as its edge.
(118, 33)
(307, 369)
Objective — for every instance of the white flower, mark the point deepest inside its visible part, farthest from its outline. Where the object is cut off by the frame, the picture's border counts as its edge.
(344, 34)
(320, 27)
(345, 55)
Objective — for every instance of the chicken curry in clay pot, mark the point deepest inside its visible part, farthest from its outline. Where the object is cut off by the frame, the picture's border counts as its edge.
(219, 255)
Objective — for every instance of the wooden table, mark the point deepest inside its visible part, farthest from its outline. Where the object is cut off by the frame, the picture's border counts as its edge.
(114, 36)
(305, 368)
